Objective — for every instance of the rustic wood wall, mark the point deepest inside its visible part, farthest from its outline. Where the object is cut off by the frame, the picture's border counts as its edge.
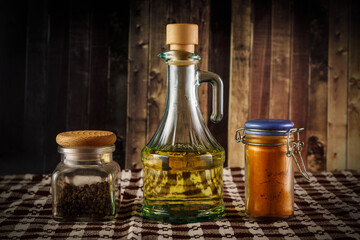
(67, 65)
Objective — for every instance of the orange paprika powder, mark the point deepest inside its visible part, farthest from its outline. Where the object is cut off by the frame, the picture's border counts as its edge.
(269, 179)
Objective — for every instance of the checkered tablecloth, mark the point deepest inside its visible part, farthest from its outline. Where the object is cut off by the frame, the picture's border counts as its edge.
(327, 207)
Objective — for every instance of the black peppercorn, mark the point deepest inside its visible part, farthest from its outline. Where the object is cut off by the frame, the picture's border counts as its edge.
(92, 200)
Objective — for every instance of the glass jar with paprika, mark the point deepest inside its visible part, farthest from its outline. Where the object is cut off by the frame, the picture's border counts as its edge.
(270, 149)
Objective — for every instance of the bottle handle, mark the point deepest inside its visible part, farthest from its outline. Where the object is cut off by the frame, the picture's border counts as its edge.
(217, 93)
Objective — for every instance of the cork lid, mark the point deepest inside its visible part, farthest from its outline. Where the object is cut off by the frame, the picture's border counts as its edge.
(85, 138)
(182, 36)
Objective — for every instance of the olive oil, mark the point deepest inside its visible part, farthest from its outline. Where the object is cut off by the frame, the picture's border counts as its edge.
(183, 186)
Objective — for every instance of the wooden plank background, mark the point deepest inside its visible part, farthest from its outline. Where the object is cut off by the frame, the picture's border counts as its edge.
(337, 84)
(93, 65)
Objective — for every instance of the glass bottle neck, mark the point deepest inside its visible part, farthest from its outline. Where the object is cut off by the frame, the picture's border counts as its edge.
(182, 91)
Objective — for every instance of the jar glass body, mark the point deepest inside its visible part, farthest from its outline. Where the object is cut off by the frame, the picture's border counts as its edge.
(86, 185)
(269, 177)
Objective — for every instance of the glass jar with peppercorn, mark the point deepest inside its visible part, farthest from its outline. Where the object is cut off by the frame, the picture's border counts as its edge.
(86, 183)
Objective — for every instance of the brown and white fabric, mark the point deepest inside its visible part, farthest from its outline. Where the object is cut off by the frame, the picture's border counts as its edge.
(326, 208)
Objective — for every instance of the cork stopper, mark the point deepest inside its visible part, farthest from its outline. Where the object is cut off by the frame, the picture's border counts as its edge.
(182, 36)
(85, 138)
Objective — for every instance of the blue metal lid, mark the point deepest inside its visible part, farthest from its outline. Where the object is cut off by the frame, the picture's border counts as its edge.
(268, 127)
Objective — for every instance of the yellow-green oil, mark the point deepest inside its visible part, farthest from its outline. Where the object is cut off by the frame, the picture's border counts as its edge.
(183, 186)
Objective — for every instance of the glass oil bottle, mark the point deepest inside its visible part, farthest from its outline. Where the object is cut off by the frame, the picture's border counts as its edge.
(183, 163)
